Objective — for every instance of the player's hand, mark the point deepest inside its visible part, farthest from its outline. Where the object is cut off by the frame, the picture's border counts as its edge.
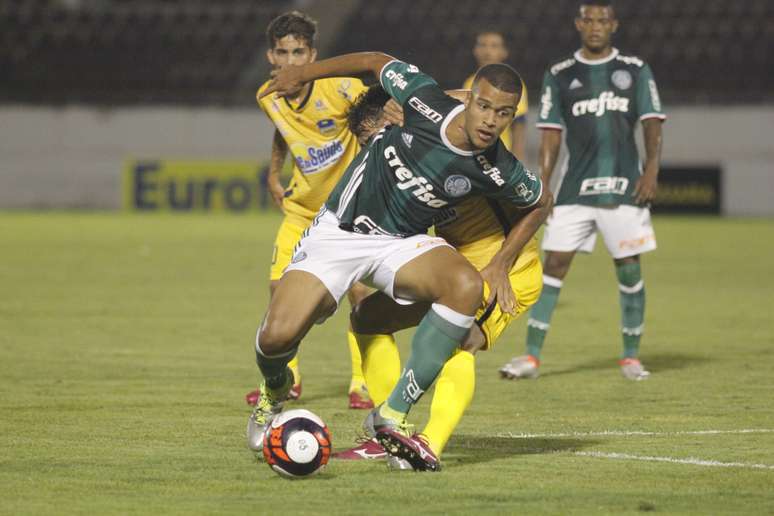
(646, 187)
(393, 113)
(276, 191)
(496, 276)
(285, 81)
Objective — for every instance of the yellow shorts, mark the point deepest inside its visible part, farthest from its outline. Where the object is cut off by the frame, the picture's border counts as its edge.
(526, 281)
(288, 235)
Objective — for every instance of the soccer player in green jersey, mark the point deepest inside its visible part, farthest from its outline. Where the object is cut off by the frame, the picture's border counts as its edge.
(374, 228)
(598, 95)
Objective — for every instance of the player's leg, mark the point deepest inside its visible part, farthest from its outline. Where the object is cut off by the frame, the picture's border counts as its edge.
(378, 348)
(569, 229)
(444, 278)
(628, 232)
(287, 237)
(453, 392)
(299, 300)
(455, 386)
(374, 317)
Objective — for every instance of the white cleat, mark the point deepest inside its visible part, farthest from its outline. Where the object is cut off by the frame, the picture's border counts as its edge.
(265, 409)
(517, 368)
(632, 369)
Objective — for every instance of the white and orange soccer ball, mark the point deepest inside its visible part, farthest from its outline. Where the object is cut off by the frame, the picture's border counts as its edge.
(297, 444)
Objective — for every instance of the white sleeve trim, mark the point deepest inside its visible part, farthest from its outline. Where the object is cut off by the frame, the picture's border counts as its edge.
(381, 72)
(549, 125)
(660, 116)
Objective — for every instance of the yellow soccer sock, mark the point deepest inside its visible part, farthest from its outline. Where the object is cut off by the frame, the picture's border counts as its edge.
(453, 393)
(293, 365)
(381, 364)
(358, 380)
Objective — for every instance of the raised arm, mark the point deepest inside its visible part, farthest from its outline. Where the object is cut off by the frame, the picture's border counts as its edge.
(291, 78)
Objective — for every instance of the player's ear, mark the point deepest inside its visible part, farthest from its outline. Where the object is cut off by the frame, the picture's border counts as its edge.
(615, 26)
(313, 54)
(270, 57)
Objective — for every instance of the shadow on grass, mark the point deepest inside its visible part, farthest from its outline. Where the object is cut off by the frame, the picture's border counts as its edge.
(474, 449)
(654, 363)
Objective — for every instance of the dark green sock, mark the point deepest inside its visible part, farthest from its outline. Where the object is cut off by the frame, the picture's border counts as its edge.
(275, 369)
(540, 315)
(434, 341)
(632, 297)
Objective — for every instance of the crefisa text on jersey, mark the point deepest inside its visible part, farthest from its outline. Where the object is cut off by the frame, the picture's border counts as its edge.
(406, 179)
(489, 170)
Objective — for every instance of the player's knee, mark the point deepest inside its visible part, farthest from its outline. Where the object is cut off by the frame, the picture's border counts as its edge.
(466, 289)
(276, 337)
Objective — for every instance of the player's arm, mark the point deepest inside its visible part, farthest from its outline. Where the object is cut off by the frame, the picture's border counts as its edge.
(519, 126)
(652, 116)
(497, 270)
(550, 144)
(291, 78)
(647, 184)
(393, 112)
(279, 151)
(519, 137)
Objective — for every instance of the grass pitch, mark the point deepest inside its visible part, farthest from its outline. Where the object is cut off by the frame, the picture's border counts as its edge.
(126, 350)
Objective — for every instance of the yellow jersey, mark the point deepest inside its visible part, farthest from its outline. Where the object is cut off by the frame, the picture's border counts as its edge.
(319, 140)
(477, 228)
(521, 109)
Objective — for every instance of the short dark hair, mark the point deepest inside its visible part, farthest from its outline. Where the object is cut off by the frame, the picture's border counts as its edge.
(490, 30)
(596, 3)
(600, 3)
(501, 76)
(292, 23)
(367, 109)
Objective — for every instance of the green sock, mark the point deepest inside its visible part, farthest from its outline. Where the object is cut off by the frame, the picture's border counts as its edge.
(540, 315)
(275, 368)
(632, 296)
(434, 342)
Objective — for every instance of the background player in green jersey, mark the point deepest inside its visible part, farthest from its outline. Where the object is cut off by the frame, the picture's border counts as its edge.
(373, 227)
(598, 95)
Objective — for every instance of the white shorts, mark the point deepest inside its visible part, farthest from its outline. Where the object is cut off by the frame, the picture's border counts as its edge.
(340, 258)
(627, 230)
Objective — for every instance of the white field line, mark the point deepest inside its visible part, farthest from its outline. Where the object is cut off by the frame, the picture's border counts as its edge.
(692, 461)
(633, 433)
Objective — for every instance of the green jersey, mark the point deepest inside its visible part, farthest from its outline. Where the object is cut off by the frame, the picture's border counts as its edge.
(407, 176)
(599, 103)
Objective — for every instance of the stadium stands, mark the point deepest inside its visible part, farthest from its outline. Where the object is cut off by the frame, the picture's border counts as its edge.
(196, 51)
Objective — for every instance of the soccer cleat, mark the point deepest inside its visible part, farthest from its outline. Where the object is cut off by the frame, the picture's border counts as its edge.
(632, 369)
(359, 399)
(366, 450)
(293, 394)
(520, 367)
(374, 421)
(413, 449)
(265, 409)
